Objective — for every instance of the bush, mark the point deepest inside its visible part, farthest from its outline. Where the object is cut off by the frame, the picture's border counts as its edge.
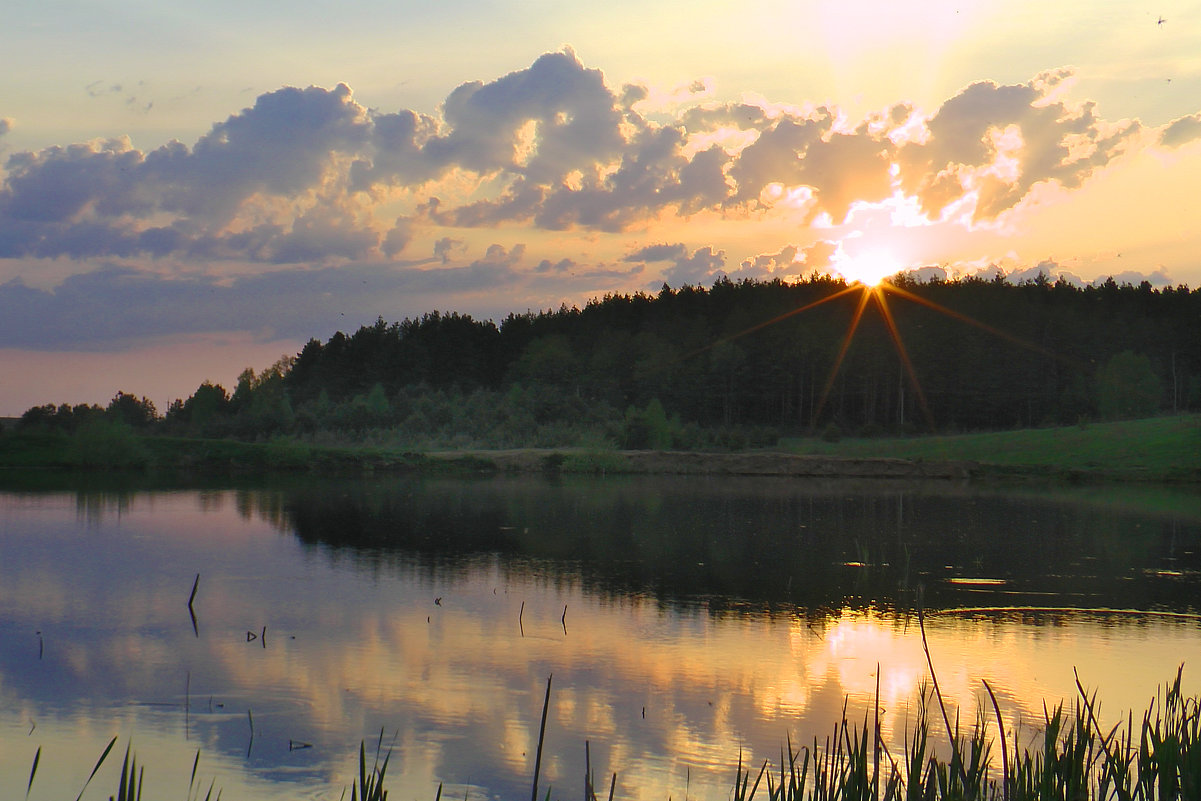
(100, 442)
(286, 453)
(871, 429)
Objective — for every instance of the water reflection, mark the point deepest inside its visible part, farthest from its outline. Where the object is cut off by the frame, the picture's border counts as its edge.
(683, 620)
(770, 543)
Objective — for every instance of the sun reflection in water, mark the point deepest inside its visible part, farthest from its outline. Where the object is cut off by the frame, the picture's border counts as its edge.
(666, 695)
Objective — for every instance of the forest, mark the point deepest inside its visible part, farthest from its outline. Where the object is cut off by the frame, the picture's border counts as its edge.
(734, 365)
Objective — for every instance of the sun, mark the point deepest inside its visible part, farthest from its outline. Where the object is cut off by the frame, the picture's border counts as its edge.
(869, 268)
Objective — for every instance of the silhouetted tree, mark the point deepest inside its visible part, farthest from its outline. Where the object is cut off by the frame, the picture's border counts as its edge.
(132, 411)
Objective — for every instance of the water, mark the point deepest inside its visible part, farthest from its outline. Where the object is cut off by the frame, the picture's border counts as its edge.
(684, 621)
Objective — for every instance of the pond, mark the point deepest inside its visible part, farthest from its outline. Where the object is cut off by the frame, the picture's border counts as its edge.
(686, 622)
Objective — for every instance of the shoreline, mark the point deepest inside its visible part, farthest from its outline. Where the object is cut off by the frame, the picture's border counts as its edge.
(752, 463)
(1154, 451)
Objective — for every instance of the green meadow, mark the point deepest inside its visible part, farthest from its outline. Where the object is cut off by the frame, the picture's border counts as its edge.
(1159, 449)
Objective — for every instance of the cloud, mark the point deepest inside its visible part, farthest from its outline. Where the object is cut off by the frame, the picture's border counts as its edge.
(775, 156)
(1048, 269)
(310, 176)
(573, 116)
(561, 267)
(819, 255)
(766, 265)
(701, 267)
(252, 184)
(663, 252)
(99, 89)
(1157, 278)
(990, 144)
(109, 307)
(928, 274)
(445, 248)
(697, 267)
(1182, 131)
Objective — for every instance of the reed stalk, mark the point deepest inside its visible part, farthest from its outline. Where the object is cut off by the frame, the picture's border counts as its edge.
(1073, 760)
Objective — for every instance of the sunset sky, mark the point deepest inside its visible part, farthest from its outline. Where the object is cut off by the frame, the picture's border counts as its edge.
(188, 190)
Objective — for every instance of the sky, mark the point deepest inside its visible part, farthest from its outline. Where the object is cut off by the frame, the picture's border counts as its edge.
(187, 190)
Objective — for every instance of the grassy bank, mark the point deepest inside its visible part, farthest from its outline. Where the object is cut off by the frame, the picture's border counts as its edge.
(1157, 449)
(1160, 448)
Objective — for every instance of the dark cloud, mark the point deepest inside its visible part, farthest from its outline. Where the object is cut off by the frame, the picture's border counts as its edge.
(398, 236)
(569, 270)
(1157, 278)
(282, 146)
(930, 273)
(708, 118)
(100, 89)
(561, 267)
(1182, 131)
(775, 157)
(396, 155)
(445, 248)
(322, 233)
(112, 306)
(97, 199)
(698, 267)
(662, 252)
(1051, 270)
(1047, 268)
(701, 267)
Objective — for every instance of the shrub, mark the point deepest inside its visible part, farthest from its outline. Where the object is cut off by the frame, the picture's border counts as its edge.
(286, 453)
(100, 442)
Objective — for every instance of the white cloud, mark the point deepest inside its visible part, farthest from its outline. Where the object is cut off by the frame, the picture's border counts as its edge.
(996, 142)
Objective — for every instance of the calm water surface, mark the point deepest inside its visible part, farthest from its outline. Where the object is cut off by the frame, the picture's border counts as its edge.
(683, 620)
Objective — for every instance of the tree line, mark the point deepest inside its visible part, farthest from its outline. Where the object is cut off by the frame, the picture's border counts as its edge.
(738, 363)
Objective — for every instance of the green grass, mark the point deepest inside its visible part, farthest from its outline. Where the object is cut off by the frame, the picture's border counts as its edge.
(1156, 449)
(1167, 448)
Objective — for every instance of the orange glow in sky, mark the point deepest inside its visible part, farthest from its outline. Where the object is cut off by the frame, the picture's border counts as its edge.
(169, 180)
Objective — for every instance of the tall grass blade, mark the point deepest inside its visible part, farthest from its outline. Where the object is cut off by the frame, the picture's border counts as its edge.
(192, 778)
(1004, 743)
(123, 787)
(541, 734)
(33, 771)
(99, 762)
(956, 760)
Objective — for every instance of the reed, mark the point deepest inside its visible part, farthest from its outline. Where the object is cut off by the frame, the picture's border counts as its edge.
(371, 782)
(1074, 760)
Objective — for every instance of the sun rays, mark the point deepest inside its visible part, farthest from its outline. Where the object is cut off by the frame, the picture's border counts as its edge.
(867, 294)
(872, 290)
